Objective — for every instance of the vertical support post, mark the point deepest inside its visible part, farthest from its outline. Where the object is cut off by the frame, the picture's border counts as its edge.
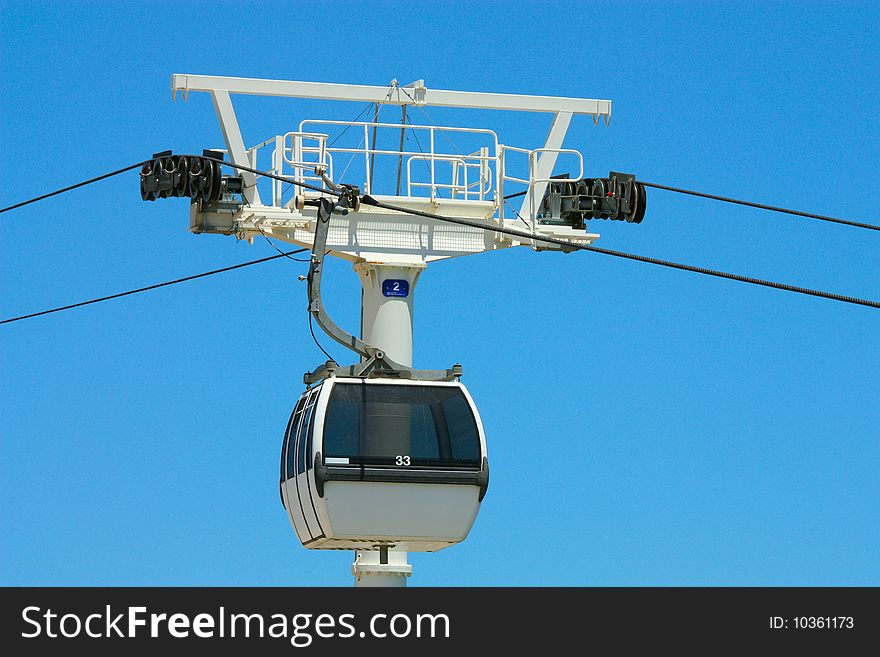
(368, 182)
(400, 155)
(297, 156)
(278, 166)
(386, 323)
(371, 571)
(386, 320)
(484, 171)
(499, 183)
(433, 188)
(373, 148)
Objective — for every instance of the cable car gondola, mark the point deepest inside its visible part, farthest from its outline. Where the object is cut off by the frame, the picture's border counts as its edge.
(377, 462)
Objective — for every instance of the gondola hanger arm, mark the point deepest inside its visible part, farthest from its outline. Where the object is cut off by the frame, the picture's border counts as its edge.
(375, 362)
(326, 207)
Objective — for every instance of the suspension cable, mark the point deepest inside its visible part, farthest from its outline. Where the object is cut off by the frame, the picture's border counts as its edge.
(762, 206)
(631, 256)
(528, 236)
(79, 184)
(152, 287)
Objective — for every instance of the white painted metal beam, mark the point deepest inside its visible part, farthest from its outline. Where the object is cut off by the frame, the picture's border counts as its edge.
(389, 95)
(546, 162)
(235, 143)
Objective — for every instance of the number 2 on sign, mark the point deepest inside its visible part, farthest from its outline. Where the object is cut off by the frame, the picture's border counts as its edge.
(402, 460)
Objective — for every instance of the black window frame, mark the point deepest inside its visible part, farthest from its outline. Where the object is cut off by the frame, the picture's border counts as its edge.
(308, 419)
(310, 437)
(291, 443)
(297, 440)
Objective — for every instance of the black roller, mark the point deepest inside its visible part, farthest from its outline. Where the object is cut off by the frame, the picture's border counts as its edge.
(167, 175)
(639, 197)
(148, 182)
(571, 202)
(181, 177)
(195, 177)
(199, 177)
(598, 193)
(165, 168)
(208, 174)
(194, 167)
(217, 179)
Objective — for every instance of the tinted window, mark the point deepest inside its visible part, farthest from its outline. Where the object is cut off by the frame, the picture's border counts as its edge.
(284, 448)
(295, 451)
(463, 439)
(303, 443)
(286, 441)
(291, 444)
(341, 423)
(376, 424)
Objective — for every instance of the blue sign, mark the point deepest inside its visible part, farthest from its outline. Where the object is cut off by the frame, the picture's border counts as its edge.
(394, 287)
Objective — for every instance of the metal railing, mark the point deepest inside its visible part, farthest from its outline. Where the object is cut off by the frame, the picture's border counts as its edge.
(302, 154)
(483, 162)
(532, 181)
(459, 187)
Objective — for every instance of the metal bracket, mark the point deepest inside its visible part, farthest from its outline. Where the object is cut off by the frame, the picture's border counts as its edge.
(375, 362)
(379, 367)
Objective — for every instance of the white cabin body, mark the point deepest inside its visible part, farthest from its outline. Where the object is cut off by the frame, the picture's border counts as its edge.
(370, 463)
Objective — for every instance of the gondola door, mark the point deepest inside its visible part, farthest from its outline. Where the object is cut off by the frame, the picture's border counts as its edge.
(288, 471)
(303, 454)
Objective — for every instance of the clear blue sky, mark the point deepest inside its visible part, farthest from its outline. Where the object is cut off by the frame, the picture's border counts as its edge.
(646, 426)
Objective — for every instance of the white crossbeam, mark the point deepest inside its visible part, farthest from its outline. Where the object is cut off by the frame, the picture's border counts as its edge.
(388, 95)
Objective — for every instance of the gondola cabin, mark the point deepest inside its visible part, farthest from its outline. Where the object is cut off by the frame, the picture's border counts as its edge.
(383, 462)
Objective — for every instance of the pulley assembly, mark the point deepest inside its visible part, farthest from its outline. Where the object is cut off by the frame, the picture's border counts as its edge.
(572, 202)
(188, 176)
